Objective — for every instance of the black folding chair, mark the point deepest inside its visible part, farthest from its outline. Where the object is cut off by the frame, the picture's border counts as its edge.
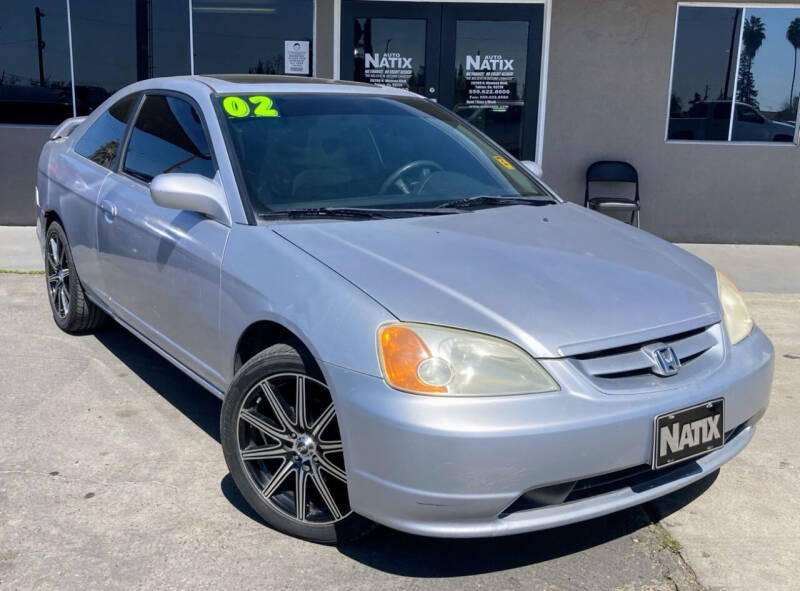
(613, 171)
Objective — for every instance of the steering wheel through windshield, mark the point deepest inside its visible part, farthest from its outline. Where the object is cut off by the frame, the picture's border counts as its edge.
(410, 184)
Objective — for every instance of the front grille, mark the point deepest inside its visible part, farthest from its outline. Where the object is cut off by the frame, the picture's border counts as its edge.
(629, 368)
(638, 479)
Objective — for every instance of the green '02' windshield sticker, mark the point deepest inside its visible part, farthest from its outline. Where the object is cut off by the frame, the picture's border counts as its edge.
(251, 106)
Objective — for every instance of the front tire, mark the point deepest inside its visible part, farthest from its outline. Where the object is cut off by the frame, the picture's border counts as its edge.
(282, 445)
(72, 311)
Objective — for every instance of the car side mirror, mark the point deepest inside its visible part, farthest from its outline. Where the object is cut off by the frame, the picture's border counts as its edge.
(533, 167)
(190, 192)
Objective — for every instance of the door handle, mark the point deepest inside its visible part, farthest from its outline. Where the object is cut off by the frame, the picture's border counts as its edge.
(109, 210)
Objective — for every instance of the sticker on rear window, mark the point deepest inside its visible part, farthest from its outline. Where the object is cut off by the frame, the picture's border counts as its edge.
(251, 106)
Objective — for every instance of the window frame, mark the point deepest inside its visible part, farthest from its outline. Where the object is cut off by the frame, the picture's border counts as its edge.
(120, 169)
(730, 141)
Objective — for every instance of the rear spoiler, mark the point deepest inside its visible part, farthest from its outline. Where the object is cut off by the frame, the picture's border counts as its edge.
(66, 128)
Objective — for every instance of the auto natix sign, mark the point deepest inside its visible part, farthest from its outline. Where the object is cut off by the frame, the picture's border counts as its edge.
(388, 69)
(489, 80)
(492, 63)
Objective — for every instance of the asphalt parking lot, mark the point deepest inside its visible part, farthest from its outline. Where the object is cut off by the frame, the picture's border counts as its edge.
(111, 475)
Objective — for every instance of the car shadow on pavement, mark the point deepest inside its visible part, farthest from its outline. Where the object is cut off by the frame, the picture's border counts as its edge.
(389, 550)
(196, 403)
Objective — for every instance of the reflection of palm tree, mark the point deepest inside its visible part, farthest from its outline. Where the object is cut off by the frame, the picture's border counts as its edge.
(793, 36)
(752, 38)
(106, 154)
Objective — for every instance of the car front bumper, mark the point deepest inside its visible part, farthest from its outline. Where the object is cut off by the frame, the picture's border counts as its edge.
(451, 467)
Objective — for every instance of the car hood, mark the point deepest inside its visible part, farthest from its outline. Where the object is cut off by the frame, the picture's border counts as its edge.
(557, 280)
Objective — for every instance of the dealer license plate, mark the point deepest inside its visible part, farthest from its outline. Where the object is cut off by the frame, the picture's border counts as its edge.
(689, 432)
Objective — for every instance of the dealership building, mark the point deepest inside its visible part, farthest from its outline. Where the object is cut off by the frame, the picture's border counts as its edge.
(701, 98)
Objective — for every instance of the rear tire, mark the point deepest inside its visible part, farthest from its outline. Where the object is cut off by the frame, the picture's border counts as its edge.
(72, 311)
(289, 465)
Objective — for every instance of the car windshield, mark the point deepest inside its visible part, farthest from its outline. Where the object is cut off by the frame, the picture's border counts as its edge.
(302, 151)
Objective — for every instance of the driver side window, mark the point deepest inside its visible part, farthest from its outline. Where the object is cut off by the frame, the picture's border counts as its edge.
(168, 136)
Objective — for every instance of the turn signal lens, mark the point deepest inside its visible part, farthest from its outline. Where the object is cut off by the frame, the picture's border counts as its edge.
(429, 359)
(402, 352)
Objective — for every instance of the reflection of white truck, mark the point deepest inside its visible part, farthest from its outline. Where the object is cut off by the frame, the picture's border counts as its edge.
(709, 120)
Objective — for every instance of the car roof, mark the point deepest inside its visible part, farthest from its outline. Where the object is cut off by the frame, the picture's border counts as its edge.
(244, 83)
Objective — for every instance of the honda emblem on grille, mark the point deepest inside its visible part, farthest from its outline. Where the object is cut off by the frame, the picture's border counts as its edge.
(665, 361)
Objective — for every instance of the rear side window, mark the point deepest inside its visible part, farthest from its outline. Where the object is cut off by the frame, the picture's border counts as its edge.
(102, 140)
(167, 137)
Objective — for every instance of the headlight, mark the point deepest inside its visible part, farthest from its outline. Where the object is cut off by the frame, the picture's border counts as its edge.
(426, 359)
(738, 322)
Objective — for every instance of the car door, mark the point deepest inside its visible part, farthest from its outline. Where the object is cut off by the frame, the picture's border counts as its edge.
(79, 175)
(162, 266)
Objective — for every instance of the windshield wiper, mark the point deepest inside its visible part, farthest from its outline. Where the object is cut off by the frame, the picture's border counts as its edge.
(350, 212)
(477, 200)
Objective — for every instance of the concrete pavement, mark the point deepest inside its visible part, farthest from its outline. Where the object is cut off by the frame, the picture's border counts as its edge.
(111, 476)
(754, 267)
(19, 249)
(744, 532)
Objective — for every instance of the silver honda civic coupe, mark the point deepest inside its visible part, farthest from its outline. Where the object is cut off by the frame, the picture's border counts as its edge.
(406, 326)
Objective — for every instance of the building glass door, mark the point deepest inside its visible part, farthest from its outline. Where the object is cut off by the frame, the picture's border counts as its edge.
(483, 61)
(392, 44)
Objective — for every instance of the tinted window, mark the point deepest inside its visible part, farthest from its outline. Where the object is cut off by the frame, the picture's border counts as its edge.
(102, 140)
(167, 137)
(166, 38)
(34, 87)
(249, 35)
(104, 49)
(704, 72)
(117, 43)
(767, 87)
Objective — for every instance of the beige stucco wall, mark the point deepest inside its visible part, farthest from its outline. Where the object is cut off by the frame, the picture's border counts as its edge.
(607, 99)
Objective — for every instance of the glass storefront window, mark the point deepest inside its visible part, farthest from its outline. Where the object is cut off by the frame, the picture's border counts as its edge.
(250, 36)
(767, 90)
(735, 74)
(117, 43)
(104, 49)
(35, 87)
(167, 35)
(704, 73)
(121, 42)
